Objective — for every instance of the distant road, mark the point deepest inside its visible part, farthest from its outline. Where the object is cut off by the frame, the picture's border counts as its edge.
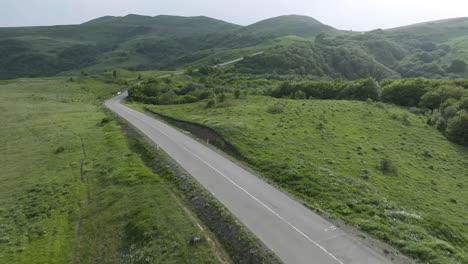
(293, 232)
(216, 66)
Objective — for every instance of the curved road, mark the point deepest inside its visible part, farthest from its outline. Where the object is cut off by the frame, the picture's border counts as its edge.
(293, 232)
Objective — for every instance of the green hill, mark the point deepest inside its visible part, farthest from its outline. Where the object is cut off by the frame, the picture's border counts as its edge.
(377, 166)
(423, 50)
(438, 31)
(73, 191)
(131, 42)
(302, 26)
(135, 42)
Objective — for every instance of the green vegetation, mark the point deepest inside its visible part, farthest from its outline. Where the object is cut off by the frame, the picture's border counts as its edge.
(292, 44)
(379, 54)
(301, 26)
(72, 190)
(443, 99)
(378, 167)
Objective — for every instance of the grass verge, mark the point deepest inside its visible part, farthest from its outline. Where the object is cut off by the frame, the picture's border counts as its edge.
(71, 189)
(378, 167)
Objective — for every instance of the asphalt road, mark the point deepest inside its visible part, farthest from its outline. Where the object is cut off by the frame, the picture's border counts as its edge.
(296, 234)
(216, 66)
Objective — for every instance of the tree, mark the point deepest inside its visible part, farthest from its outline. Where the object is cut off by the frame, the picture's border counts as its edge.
(210, 103)
(457, 66)
(237, 93)
(361, 90)
(457, 128)
(435, 97)
(114, 74)
(299, 95)
(222, 97)
(205, 70)
(168, 97)
(405, 92)
(84, 73)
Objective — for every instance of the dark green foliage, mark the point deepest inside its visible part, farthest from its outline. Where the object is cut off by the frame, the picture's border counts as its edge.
(237, 93)
(205, 70)
(210, 103)
(222, 97)
(433, 98)
(406, 92)
(77, 56)
(320, 59)
(276, 109)
(387, 166)
(457, 128)
(165, 42)
(457, 66)
(356, 90)
(361, 90)
(59, 150)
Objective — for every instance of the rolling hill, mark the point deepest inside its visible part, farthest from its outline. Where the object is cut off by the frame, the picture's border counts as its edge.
(135, 42)
(302, 26)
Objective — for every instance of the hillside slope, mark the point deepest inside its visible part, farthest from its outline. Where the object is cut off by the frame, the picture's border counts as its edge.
(302, 26)
(379, 167)
(72, 190)
(424, 50)
(131, 42)
(135, 42)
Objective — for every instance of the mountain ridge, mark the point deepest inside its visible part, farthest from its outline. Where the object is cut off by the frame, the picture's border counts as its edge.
(136, 42)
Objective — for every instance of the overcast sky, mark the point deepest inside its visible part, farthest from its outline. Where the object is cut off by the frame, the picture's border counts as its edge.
(342, 14)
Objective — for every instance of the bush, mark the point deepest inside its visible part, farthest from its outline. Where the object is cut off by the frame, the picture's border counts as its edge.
(457, 66)
(361, 90)
(237, 93)
(275, 109)
(210, 103)
(434, 98)
(59, 150)
(387, 166)
(406, 92)
(222, 97)
(457, 128)
(299, 95)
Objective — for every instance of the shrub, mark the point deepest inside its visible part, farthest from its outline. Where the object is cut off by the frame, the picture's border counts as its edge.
(406, 92)
(387, 166)
(105, 120)
(222, 97)
(210, 103)
(237, 93)
(457, 66)
(59, 150)
(361, 90)
(275, 109)
(457, 128)
(299, 95)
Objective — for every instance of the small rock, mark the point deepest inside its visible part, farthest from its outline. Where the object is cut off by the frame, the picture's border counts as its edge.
(195, 240)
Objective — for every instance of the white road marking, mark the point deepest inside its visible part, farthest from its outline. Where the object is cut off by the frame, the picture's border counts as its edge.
(266, 206)
(249, 194)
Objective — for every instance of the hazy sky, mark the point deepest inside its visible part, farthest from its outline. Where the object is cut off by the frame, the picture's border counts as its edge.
(342, 14)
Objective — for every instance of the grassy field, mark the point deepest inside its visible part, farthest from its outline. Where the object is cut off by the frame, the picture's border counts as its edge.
(72, 191)
(378, 167)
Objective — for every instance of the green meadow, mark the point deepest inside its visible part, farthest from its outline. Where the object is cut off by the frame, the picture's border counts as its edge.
(71, 189)
(377, 166)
